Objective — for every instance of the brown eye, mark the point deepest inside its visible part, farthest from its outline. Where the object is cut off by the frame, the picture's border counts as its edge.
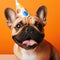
(38, 25)
(20, 24)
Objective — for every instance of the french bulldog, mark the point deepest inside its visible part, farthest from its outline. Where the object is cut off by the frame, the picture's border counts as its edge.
(28, 34)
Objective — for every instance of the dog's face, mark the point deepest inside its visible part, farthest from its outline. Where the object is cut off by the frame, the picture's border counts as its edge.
(27, 32)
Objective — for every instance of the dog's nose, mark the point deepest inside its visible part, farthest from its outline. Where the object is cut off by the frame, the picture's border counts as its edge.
(29, 28)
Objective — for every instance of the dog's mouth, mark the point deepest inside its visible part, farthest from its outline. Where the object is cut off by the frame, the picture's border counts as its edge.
(28, 43)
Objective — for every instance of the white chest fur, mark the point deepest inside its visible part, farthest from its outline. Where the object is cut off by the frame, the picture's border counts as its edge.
(27, 55)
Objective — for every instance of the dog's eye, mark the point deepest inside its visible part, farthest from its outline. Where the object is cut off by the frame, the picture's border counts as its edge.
(38, 25)
(20, 24)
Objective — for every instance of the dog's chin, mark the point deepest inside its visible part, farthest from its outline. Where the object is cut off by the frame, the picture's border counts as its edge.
(28, 44)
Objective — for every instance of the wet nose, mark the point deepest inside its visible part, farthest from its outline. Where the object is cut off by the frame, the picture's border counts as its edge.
(29, 28)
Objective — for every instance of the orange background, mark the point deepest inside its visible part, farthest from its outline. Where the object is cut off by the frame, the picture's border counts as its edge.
(52, 29)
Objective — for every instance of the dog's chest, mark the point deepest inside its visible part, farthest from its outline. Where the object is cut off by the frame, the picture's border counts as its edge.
(28, 56)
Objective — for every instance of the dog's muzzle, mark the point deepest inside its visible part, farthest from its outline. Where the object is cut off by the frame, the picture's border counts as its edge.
(28, 38)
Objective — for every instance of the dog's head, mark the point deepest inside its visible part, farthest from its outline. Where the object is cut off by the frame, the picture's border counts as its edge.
(27, 32)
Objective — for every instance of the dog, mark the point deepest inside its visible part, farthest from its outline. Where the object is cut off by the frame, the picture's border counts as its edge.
(28, 34)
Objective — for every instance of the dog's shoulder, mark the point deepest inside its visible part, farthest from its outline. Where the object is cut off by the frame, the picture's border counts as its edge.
(47, 43)
(44, 46)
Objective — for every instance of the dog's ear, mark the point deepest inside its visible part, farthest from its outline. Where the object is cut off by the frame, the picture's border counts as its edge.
(10, 16)
(41, 13)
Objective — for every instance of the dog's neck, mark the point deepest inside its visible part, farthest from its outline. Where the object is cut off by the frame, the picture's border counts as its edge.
(22, 50)
(24, 54)
(28, 54)
(33, 54)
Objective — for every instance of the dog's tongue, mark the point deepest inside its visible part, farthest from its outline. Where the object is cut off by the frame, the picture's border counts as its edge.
(29, 42)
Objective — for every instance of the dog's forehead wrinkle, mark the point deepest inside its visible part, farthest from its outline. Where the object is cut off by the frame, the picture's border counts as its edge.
(26, 20)
(17, 21)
